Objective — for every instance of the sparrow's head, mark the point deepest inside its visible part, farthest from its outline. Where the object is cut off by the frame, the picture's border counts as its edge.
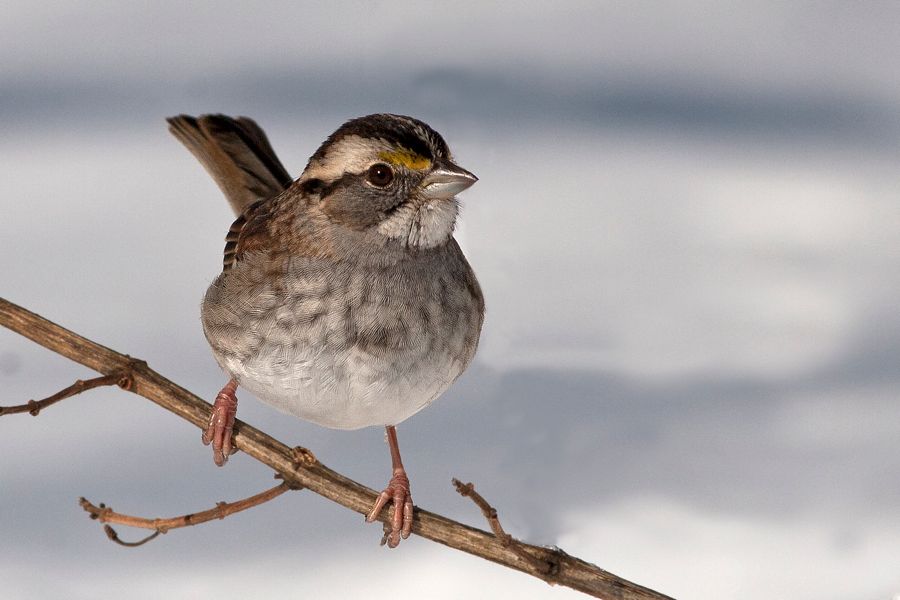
(388, 174)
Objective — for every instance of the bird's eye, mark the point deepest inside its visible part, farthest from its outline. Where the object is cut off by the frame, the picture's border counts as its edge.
(380, 175)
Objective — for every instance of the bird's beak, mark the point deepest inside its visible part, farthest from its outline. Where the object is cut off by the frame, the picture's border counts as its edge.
(445, 181)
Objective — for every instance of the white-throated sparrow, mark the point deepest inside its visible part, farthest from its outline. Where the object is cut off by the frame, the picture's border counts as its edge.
(344, 299)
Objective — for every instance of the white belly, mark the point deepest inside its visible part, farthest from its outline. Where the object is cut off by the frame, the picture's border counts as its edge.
(349, 390)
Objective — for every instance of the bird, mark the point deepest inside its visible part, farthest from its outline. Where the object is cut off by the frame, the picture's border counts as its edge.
(344, 298)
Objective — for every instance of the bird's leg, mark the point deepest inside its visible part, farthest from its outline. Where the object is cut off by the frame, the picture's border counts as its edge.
(397, 491)
(221, 423)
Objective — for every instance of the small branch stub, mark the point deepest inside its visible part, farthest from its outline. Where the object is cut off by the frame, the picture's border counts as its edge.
(303, 457)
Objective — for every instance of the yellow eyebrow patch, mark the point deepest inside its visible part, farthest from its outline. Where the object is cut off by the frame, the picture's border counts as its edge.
(407, 158)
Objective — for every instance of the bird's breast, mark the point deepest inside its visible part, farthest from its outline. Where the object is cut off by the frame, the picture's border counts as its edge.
(344, 345)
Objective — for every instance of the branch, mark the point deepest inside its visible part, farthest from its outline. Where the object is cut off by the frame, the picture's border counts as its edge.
(490, 513)
(105, 514)
(314, 476)
(32, 407)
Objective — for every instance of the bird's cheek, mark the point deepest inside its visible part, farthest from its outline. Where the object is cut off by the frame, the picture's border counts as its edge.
(351, 211)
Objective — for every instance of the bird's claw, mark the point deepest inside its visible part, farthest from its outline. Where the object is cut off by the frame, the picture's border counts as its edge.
(221, 424)
(397, 491)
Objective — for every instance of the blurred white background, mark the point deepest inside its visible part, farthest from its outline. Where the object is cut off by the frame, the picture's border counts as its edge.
(688, 232)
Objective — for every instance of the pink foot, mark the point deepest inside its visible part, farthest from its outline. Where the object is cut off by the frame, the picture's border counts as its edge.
(397, 491)
(221, 424)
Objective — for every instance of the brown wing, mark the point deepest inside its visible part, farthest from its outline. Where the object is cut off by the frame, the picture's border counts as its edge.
(236, 153)
(250, 231)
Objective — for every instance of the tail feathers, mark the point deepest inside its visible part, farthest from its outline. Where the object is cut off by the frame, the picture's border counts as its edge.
(236, 153)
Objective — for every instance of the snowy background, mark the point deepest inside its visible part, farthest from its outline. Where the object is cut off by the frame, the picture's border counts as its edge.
(687, 229)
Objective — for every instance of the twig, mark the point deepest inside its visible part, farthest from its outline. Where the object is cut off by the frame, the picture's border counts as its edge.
(549, 569)
(114, 537)
(105, 514)
(34, 407)
(316, 477)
